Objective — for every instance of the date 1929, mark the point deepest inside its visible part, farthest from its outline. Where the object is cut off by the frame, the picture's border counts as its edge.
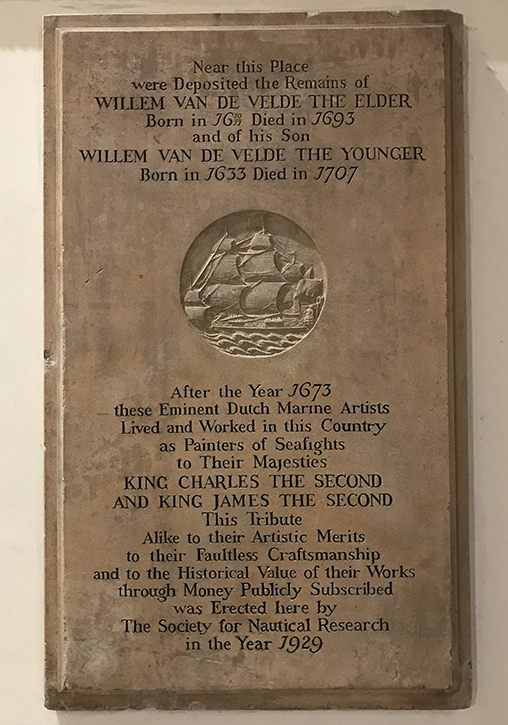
(292, 644)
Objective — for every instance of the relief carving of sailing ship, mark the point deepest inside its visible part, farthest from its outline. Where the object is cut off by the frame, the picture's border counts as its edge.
(253, 295)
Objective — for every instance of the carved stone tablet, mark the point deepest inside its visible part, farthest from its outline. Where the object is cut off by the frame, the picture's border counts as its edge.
(256, 426)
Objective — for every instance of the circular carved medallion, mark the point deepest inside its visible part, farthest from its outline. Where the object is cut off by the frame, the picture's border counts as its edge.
(253, 284)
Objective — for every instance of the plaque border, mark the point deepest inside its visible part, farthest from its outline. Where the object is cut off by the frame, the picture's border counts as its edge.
(58, 697)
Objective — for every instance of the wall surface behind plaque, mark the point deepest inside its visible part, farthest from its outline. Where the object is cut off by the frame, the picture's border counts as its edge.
(21, 449)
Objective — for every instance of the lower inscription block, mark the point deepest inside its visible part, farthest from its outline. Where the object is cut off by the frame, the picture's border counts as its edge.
(256, 409)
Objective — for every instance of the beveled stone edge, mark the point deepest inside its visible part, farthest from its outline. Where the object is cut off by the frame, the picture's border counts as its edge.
(458, 354)
(262, 19)
(326, 699)
(57, 696)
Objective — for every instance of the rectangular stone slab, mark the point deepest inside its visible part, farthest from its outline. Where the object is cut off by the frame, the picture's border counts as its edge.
(256, 449)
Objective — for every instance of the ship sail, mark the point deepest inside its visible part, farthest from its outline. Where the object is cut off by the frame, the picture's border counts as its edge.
(192, 297)
(310, 289)
(226, 270)
(260, 266)
(264, 298)
(261, 240)
(222, 296)
(293, 271)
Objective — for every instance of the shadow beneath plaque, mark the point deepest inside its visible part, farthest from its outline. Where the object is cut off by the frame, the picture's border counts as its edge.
(205, 717)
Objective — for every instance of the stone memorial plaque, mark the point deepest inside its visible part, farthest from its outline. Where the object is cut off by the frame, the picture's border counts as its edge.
(255, 362)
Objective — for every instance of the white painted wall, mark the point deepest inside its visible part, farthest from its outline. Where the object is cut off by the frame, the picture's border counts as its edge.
(21, 411)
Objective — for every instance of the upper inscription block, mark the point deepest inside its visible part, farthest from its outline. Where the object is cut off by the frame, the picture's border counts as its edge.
(256, 446)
